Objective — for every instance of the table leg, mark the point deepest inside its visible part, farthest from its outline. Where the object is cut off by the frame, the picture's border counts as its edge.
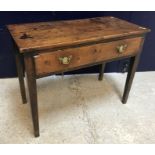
(32, 87)
(20, 71)
(102, 68)
(131, 72)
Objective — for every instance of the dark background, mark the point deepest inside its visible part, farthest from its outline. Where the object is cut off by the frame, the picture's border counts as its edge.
(146, 19)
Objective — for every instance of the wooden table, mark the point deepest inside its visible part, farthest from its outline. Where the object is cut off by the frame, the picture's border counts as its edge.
(48, 48)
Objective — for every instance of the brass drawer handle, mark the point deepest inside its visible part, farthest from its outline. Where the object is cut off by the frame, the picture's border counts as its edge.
(121, 48)
(65, 60)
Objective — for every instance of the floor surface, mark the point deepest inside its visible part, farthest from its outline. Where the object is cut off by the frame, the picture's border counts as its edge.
(81, 109)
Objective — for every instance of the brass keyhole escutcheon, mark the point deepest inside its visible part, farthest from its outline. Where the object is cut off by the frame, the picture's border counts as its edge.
(121, 48)
(65, 60)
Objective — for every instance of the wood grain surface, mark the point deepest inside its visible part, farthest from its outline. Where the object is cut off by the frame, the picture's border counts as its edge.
(48, 35)
(49, 61)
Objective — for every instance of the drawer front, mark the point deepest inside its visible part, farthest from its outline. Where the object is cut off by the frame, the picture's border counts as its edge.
(75, 57)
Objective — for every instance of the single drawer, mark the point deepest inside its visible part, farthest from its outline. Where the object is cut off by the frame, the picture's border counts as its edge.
(62, 60)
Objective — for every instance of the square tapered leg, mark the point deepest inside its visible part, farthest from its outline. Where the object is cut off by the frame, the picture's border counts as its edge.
(32, 88)
(102, 68)
(20, 71)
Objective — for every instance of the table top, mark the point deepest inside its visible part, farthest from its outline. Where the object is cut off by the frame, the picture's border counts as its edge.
(46, 35)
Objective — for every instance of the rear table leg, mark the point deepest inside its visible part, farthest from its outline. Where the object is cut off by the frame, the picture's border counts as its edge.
(102, 68)
(20, 71)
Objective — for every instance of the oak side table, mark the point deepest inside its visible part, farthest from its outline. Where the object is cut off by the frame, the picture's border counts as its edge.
(46, 48)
